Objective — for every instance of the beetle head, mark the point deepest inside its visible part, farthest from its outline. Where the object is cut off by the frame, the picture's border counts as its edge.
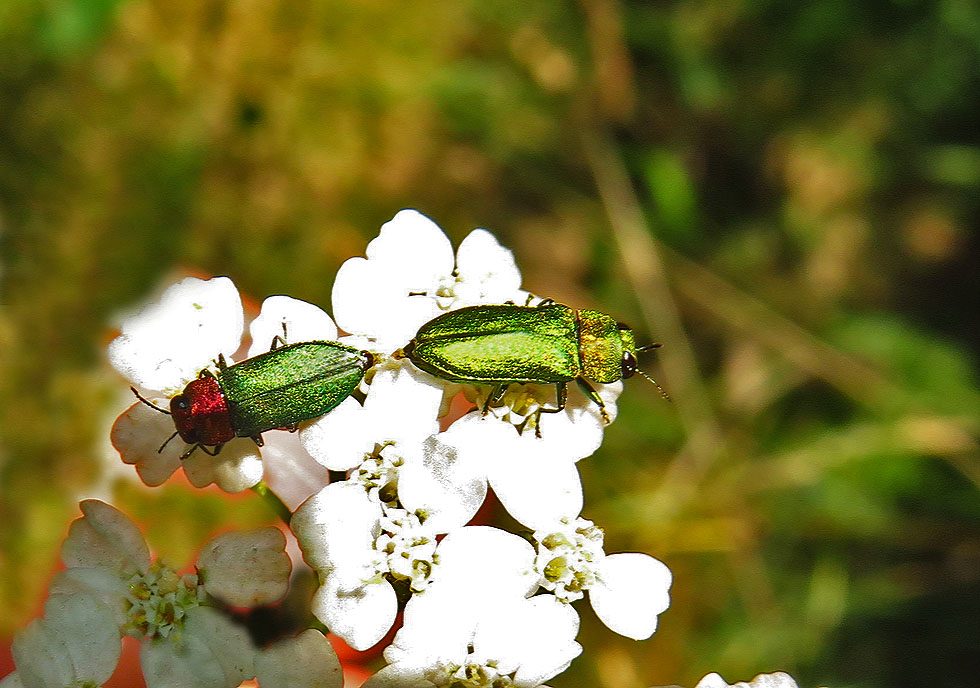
(200, 413)
(628, 362)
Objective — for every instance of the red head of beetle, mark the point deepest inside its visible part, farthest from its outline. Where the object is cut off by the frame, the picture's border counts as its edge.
(200, 413)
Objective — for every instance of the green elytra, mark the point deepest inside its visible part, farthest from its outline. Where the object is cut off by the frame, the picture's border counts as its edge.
(290, 384)
(274, 390)
(506, 344)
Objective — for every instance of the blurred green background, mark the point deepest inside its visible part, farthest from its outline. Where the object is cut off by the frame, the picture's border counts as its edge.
(784, 194)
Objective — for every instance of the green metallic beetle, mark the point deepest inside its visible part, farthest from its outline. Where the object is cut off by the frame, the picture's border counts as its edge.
(275, 390)
(501, 345)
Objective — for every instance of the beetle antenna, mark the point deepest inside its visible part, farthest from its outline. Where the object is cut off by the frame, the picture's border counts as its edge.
(649, 347)
(663, 392)
(149, 403)
(160, 450)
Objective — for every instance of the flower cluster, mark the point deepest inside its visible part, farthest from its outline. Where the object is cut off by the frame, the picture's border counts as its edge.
(111, 588)
(394, 532)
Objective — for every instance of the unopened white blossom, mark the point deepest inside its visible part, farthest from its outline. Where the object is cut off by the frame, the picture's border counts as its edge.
(168, 344)
(628, 591)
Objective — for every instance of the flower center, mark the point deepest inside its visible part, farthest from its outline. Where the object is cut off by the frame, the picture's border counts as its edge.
(405, 546)
(408, 546)
(158, 600)
(567, 558)
(378, 473)
(518, 403)
(472, 674)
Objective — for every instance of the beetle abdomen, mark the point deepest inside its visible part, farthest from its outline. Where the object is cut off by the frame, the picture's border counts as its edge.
(499, 344)
(497, 358)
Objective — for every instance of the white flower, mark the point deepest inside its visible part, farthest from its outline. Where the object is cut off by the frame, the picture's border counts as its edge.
(401, 407)
(518, 642)
(536, 480)
(168, 344)
(776, 680)
(108, 560)
(76, 643)
(376, 531)
(306, 661)
(474, 625)
(627, 591)
(410, 277)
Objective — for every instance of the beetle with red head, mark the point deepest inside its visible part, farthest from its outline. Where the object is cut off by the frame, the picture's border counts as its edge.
(275, 390)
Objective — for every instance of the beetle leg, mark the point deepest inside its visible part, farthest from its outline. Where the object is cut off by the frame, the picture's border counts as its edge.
(561, 392)
(277, 341)
(496, 394)
(258, 440)
(590, 392)
(160, 450)
(207, 373)
(213, 452)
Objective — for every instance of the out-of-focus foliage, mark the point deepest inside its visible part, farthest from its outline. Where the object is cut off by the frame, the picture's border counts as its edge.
(807, 177)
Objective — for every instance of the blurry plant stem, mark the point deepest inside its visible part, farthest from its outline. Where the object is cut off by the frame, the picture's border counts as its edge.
(272, 501)
(644, 258)
(645, 270)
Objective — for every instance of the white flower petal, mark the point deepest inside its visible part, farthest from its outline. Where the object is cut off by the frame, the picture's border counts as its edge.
(633, 589)
(401, 407)
(306, 661)
(51, 653)
(105, 538)
(372, 296)
(485, 562)
(304, 323)
(414, 246)
(290, 471)
(404, 404)
(534, 636)
(340, 439)
(138, 435)
(437, 628)
(487, 271)
(336, 528)
(438, 481)
(168, 343)
(776, 680)
(102, 584)
(779, 679)
(536, 490)
(237, 467)
(212, 653)
(12, 680)
(395, 676)
(713, 681)
(361, 614)
(246, 568)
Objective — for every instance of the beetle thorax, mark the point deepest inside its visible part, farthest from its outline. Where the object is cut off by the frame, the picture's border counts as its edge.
(600, 346)
(200, 413)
